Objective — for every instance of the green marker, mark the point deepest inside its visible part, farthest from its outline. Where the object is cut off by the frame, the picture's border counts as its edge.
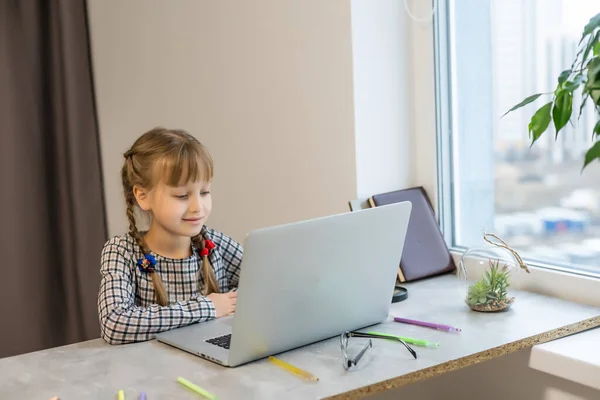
(416, 342)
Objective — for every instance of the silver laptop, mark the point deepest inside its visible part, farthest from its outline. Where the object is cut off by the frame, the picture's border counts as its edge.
(304, 282)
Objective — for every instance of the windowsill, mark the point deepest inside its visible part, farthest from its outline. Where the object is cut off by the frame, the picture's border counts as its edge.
(574, 358)
(564, 285)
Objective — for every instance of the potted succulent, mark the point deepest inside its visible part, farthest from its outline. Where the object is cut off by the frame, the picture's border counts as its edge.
(486, 271)
(490, 293)
(584, 77)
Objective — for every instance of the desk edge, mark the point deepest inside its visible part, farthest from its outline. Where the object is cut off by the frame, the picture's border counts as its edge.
(459, 363)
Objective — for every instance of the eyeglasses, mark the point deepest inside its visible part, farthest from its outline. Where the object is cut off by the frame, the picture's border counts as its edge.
(348, 362)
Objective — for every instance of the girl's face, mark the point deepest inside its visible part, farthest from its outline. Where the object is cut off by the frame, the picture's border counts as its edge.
(178, 210)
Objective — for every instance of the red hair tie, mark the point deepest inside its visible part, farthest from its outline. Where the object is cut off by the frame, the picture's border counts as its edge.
(208, 246)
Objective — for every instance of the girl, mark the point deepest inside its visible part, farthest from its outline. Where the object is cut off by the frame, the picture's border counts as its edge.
(178, 272)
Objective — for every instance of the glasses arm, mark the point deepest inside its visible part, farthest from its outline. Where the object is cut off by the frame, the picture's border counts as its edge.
(374, 336)
(410, 349)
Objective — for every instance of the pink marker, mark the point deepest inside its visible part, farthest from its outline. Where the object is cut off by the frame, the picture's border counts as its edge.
(440, 327)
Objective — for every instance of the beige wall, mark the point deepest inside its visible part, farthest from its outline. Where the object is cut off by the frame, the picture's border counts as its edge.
(265, 84)
(382, 96)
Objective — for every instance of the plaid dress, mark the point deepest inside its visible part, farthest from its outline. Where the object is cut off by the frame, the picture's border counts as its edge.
(126, 301)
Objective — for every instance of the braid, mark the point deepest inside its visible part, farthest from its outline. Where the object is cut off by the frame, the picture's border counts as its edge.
(210, 280)
(159, 288)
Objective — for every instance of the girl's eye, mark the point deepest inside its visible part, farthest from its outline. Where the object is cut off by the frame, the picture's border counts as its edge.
(182, 196)
(204, 193)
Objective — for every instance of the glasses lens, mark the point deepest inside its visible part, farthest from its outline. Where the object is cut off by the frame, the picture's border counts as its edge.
(351, 362)
(344, 347)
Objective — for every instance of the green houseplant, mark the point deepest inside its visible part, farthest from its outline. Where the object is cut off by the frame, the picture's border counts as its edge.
(583, 79)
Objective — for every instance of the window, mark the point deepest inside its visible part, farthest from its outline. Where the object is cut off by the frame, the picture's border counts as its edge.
(491, 54)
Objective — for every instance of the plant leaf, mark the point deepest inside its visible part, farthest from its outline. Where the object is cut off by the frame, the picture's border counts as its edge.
(593, 69)
(524, 102)
(539, 122)
(592, 154)
(571, 86)
(564, 76)
(597, 49)
(562, 109)
(584, 99)
(592, 25)
(595, 93)
(597, 129)
(580, 52)
(592, 85)
(590, 45)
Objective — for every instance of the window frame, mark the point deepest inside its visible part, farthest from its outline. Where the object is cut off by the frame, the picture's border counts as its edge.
(446, 128)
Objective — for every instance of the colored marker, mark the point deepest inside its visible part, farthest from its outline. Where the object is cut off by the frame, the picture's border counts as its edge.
(121, 395)
(142, 396)
(416, 342)
(439, 327)
(196, 388)
(294, 370)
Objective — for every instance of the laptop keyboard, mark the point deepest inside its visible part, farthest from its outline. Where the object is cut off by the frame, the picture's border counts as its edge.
(221, 341)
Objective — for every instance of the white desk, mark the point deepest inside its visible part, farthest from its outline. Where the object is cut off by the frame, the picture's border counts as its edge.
(575, 358)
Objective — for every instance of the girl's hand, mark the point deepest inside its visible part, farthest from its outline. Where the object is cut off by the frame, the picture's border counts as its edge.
(224, 303)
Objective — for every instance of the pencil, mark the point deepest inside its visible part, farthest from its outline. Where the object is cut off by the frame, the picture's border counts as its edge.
(196, 388)
(294, 370)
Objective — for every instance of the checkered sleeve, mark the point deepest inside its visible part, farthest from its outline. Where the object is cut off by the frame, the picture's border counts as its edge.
(121, 320)
(232, 253)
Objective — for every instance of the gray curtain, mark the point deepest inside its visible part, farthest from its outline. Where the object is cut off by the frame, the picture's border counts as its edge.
(52, 222)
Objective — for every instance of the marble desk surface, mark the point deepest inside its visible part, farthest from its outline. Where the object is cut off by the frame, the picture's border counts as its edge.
(96, 370)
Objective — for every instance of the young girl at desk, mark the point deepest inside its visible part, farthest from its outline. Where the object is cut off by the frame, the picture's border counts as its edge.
(179, 272)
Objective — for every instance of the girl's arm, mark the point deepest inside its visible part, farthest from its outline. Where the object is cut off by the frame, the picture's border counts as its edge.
(232, 253)
(121, 321)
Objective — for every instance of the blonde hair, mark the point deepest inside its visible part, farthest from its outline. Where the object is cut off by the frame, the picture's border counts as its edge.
(175, 157)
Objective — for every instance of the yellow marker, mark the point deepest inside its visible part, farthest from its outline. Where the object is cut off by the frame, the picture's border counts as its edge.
(196, 388)
(121, 395)
(294, 370)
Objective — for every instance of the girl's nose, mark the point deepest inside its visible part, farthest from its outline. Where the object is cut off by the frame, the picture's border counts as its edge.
(195, 204)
